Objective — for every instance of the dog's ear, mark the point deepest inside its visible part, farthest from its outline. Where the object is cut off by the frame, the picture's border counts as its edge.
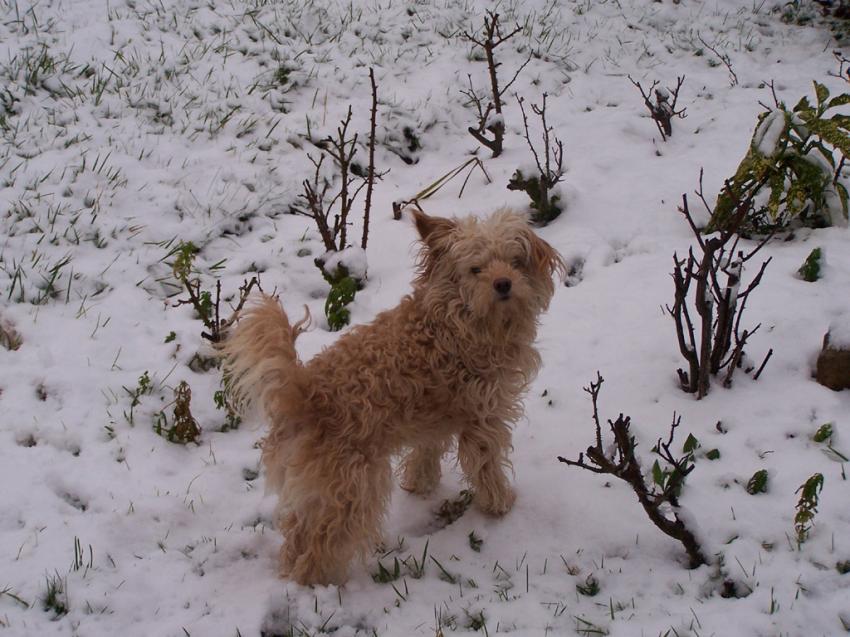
(432, 230)
(545, 260)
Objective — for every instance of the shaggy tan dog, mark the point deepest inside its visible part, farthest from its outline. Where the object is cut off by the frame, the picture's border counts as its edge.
(448, 364)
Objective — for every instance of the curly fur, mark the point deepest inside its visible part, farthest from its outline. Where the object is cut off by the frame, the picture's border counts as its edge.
(447, 366)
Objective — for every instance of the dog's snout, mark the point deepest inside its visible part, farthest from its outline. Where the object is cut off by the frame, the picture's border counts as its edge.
(502, 286)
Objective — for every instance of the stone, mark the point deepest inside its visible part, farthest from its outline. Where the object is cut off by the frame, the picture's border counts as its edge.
(833, 366)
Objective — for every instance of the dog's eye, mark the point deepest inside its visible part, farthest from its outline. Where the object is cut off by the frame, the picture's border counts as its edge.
(518, 263)
(475, 270)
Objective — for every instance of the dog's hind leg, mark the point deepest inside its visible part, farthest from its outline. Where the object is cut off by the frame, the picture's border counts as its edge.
(340, 503)
(420, 468)
(483, 453)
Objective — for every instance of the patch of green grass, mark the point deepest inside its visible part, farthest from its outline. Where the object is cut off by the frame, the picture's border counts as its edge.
(590, 587)
(55, 598)
(385, 575)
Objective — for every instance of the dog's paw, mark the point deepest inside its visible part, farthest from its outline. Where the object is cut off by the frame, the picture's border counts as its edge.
(419, 486)
(496, 503)
(420, 476)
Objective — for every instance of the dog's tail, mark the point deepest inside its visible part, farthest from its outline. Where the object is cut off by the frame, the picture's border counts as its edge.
(259, 354)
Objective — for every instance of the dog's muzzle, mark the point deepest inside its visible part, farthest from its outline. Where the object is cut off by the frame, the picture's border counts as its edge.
(502, 286)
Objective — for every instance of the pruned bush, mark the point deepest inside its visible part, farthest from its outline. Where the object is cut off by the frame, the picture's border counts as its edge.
(207, 308)
(660, 500)
(490, 118)
(709, 284)
(791, 174)
(330, 212)
(539, 181)
(662, 110)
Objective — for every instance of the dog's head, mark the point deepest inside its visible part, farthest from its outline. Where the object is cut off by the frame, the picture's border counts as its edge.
(496, 267)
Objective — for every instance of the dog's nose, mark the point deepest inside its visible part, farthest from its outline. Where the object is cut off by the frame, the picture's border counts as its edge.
(502, 286)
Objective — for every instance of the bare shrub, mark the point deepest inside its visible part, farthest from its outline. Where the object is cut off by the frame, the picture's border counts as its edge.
(713, 342)
(624, 464)
(490, 117)
(662, 111)
(539, 185)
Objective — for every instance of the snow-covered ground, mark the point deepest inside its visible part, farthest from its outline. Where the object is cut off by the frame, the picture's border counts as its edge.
(129, 126)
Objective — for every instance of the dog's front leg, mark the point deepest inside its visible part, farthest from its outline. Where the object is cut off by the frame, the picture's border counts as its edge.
(483, 449)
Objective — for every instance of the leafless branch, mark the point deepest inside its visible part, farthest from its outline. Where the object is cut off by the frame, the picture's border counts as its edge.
(538, 187)
(723, 57)
(492, 37)
(370, 175)
(718, 300)
(662, 111)
(625, 465)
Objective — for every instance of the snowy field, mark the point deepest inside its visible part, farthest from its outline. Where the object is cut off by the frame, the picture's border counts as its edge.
(129, 126)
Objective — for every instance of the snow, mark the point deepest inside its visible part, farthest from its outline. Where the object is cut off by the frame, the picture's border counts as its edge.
(155, 123)
(353, 258)
(494, 120)
(839, 333)
(769, 132)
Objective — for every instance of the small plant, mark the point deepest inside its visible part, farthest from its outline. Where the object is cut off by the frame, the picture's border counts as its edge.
(793, 156)
(184, 428)
(811, 269)
(142, 388)
(385, 575)
(490, 117)
(201, 300)
(624, 464)
(80, 557)
(539, 184)
(416, 568)
(712, 282)
(590, 587)
(232, 419)
(824, 433)
(476, 621)
(758, 483)
(55, 598)
(341, 294)
(475, 542)
(662, 111)
(209, 312)
(445, 575)
(807, 507)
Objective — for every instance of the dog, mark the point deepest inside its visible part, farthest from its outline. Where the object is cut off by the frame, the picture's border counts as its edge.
(446, 368)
